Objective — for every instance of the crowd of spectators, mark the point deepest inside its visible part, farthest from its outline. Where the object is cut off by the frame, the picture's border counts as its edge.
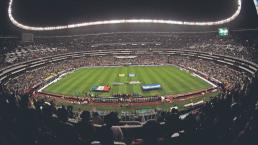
(228, 119)
(13, 51)
(228, 76)
(25, 82)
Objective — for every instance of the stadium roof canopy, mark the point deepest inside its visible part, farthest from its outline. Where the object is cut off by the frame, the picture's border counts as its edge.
(122, 21)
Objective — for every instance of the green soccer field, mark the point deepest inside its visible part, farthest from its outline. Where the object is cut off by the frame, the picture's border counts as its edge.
(171, 78)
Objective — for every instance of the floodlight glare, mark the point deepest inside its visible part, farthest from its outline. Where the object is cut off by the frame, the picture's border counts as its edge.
(123, 21)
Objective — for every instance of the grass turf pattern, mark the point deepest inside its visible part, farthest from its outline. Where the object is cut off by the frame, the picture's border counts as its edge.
(173, 80)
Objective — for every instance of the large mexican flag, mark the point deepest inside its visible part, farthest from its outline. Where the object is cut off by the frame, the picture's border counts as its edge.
(101, 88)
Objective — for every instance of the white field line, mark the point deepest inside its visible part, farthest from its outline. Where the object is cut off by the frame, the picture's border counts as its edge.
(194, 74)
(55, 80)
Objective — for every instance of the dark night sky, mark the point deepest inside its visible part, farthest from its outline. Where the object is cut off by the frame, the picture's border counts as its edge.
(67, 11)
(54, 12)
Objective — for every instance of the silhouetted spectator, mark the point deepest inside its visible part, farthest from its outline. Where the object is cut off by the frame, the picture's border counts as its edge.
(85, 128)
(106, 134)
(96, 119)
(152, 134)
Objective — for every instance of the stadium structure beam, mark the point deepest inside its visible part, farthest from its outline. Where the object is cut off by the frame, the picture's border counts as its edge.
(121, 21)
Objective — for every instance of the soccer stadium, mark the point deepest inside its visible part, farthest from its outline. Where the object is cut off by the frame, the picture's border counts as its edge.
(122, 72)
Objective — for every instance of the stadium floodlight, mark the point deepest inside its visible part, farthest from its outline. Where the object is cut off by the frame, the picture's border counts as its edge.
(122, 21)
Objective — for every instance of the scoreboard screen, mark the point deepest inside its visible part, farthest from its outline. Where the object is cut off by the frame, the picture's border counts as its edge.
(223, 32)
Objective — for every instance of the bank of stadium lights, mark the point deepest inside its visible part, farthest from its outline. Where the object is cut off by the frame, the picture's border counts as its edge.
(123, 21)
